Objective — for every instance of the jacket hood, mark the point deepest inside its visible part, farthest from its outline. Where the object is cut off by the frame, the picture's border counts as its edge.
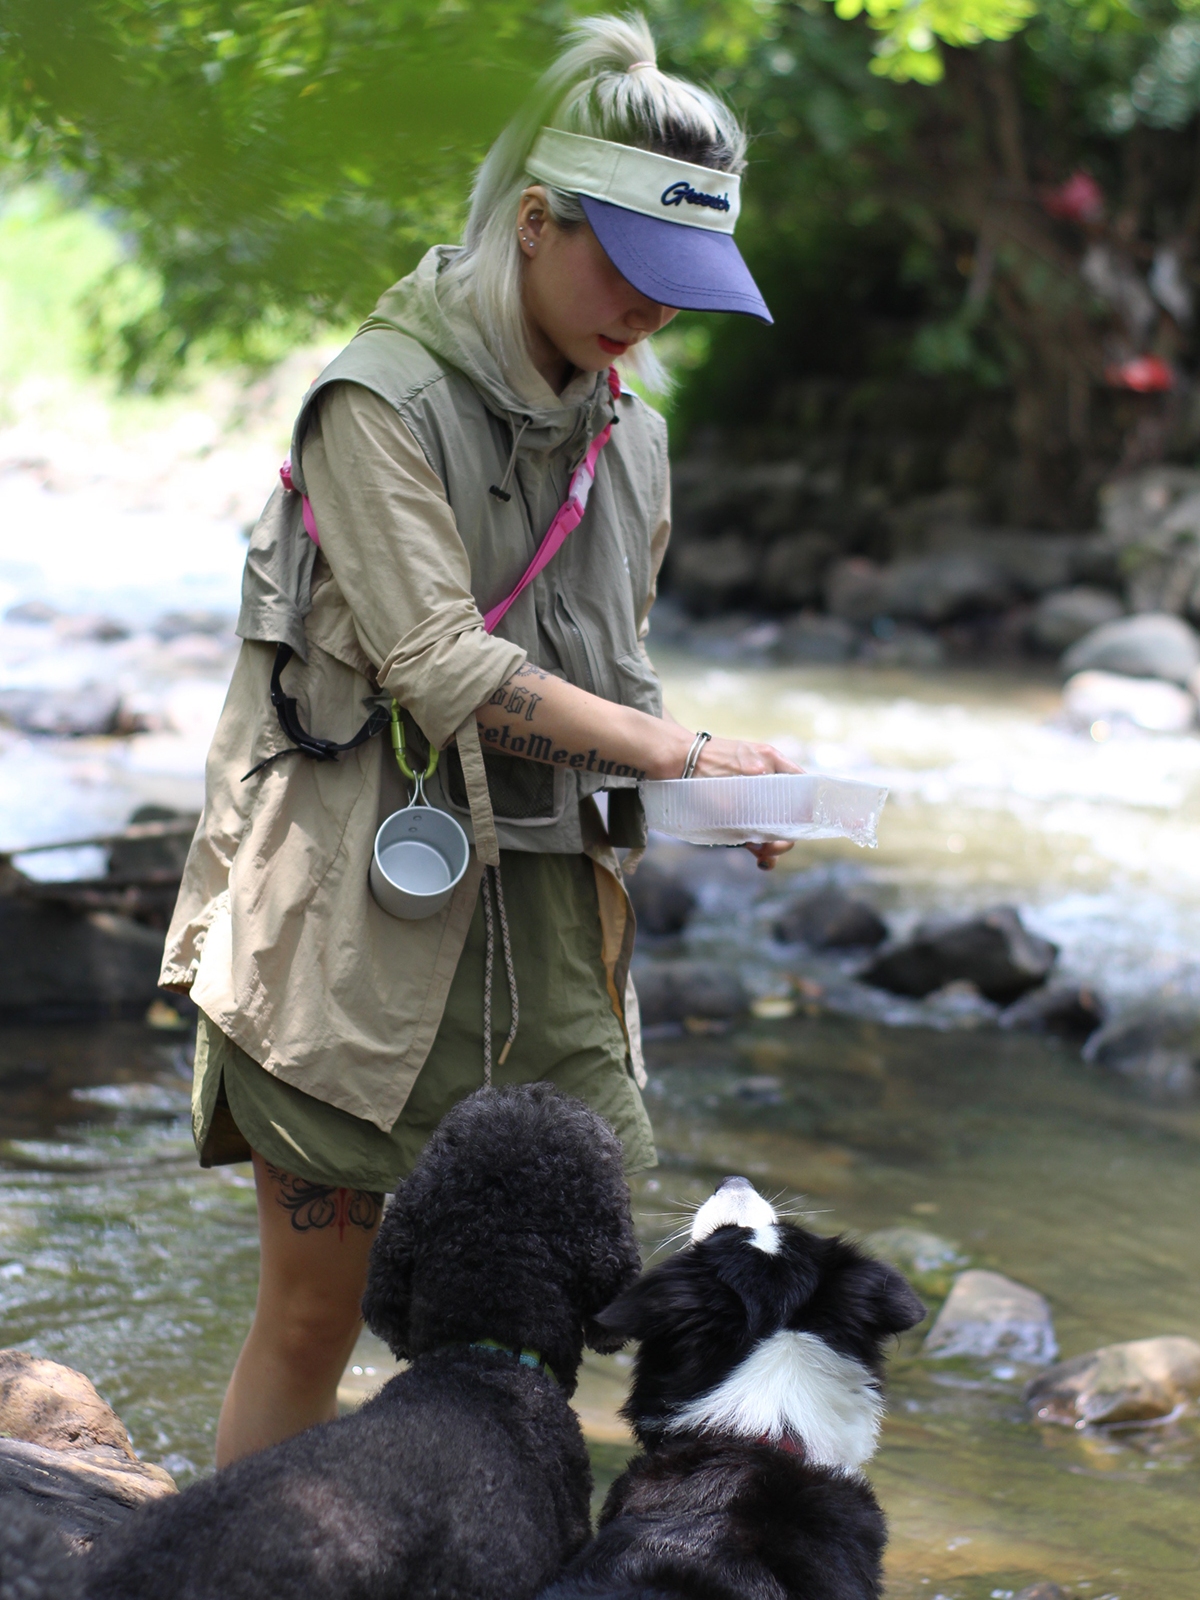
(444, 323)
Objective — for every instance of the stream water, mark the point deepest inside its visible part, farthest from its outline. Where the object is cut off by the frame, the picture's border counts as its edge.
(118, 1256)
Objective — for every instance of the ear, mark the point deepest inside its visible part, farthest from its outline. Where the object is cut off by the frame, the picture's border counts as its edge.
(889, 1301)
(388, 1299)
(628, 1316)
(613, 1266)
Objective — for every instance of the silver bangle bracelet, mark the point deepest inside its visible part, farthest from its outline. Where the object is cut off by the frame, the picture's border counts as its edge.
(693, 755)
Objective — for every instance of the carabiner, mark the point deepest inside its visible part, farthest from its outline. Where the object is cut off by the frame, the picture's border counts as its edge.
(401, 750)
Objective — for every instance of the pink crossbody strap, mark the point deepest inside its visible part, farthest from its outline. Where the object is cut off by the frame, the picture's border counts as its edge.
(566, 519)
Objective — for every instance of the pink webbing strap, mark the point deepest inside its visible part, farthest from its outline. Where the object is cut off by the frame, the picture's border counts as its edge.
(566, 519)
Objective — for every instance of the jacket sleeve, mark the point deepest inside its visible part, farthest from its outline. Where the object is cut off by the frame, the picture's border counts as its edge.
(390, 538)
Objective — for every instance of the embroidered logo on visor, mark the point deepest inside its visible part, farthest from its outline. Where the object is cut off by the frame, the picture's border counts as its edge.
(680, 193)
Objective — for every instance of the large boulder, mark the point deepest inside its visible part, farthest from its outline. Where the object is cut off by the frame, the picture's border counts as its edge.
(1069, 1010)
(65, 1453)
(163, 856)
(1154, 1044)
(60, 962)
(1148, 703)
(683, 991)
(1154, 645)
(830, 919)
(930, 590)
(1064, 615)
(662, 901)
(1141, 1381)
(711, 574)
(794, 567)
(988, 1315)
(994, 951)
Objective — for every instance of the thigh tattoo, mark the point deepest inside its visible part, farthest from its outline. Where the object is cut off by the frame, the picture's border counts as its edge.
(314, 1206)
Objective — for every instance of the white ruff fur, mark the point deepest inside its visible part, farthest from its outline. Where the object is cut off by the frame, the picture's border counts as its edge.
(794, 1383)
(736, 1205)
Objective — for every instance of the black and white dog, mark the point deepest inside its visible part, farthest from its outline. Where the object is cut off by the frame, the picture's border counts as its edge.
(756, 1396)
(466, 1477)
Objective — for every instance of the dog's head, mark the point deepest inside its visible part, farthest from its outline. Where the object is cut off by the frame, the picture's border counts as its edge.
(514, 1226)
(761, 1330)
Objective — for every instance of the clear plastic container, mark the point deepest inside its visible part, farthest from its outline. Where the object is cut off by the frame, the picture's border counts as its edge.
(778, 805)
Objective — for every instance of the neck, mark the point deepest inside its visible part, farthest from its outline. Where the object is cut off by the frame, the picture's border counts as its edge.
(547, 358)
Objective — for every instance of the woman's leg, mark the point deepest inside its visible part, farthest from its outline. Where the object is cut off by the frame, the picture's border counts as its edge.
(315, 1241)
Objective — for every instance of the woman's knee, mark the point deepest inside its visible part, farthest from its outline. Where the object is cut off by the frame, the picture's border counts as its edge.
(307, 1332)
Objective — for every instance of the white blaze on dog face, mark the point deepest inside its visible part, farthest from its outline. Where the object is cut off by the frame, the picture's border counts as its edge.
(738, 1204)
(793, 1383)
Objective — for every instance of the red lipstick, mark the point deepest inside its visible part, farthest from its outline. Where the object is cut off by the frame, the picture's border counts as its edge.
(612, 347)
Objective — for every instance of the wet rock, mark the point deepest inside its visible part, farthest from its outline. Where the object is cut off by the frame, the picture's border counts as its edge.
(928, 1261)
(62, 713)
(1040, 1591)
(1069, 1010)
(1066, 615)
(677, 991)
(794, 567)
(987, 1315)
(139, 858)
(1141, 1381)
(932, 589)
(90, 629)
(35, 612)
(710, 574)
(854, 590)
(1148, 703)
(59, 963)
(1154, 645)
(65, 1453)
(899, 646)
(1155, 1045)
(661, 899)
(830, 919)
(177, 624)
(994, 951)
(813, 637)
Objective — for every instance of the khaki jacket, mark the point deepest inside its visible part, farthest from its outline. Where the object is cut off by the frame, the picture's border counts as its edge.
(398, 443)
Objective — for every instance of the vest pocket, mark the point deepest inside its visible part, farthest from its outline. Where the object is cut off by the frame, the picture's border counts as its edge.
(520, 790)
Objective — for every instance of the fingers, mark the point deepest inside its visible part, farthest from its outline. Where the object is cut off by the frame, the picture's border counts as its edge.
(768, 854)
(731, 758)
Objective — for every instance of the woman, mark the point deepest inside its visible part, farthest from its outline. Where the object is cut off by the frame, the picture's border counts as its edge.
(433, 455)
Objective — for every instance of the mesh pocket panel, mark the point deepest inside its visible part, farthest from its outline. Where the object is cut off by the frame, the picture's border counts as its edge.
(520, 790)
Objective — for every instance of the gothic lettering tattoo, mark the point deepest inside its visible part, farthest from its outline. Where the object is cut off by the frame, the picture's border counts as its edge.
(314, 1206)
(536, 747)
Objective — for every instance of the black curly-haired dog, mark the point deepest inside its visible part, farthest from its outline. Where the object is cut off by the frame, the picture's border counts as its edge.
(466, 1477)
(756, 1396)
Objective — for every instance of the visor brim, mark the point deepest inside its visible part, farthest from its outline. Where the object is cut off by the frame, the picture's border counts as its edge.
(690, 269)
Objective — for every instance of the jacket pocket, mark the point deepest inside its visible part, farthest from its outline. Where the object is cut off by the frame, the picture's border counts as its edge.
(637, 684)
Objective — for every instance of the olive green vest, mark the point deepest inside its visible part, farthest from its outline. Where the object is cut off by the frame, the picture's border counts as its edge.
(578, 619)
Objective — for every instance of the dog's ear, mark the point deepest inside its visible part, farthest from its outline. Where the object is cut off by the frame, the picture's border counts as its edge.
(615, 1263)
(627, 1317)
(884, 1300)
(388, 1299)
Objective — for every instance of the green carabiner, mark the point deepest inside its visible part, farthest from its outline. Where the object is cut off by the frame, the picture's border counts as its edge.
(401, 750)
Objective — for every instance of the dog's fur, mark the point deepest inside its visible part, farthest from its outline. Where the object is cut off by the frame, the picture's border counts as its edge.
(466, 1478)
(756, 1396)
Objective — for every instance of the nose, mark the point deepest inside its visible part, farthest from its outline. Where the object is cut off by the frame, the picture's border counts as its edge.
(647, 316)
(733, 1183)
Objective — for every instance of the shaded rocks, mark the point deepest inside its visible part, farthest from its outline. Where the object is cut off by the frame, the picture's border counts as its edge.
(58, 963)
(809, 636)
(1149, 703)
(712, 574)
(65, 1453)
(1155, 645)
(1068, 1010)
(165, 855)
(927, 1260)
(62, 713)
(931, 589)
(1154, 1045)
(794, 567)
(830, 919)
(662, 902)
(988, 1315)
(1151, 523)
(687, 991)
(1144, 1380)
(1063, 616)
(994, 951)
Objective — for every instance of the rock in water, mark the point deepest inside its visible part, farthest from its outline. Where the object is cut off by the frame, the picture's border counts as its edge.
(988, 1315)
(1155, 1045)
(58, 962)
(674, 991)
(1149, 703)
(809, 636)
(662, 902)
(830, 919)
(1070, 1010)
(994, 951)
(62, 713)
(1154, 645)
(1040, 1591)
(1141, 1381)
(927, 1260)
(1065, 615)
(65, 1453)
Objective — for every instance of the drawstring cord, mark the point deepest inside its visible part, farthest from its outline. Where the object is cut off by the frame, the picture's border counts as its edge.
(490, 875)
(500, 490)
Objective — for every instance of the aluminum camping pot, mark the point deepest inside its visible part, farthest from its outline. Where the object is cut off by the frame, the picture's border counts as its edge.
(419, 858)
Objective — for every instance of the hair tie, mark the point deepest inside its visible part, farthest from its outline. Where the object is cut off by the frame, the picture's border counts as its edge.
(637, 65)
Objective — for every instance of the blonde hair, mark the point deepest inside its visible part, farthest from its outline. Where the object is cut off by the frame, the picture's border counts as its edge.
(606, 84)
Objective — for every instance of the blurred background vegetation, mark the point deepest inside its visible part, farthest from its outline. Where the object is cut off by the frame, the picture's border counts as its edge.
(975, 220)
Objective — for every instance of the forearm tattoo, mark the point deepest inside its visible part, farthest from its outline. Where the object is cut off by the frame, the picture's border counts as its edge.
(521, 702)
(314, 1206)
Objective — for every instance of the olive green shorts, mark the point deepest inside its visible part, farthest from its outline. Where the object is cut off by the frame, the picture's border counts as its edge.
(568, 1036)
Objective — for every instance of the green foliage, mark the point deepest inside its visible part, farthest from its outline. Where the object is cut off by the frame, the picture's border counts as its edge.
(911, 30)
